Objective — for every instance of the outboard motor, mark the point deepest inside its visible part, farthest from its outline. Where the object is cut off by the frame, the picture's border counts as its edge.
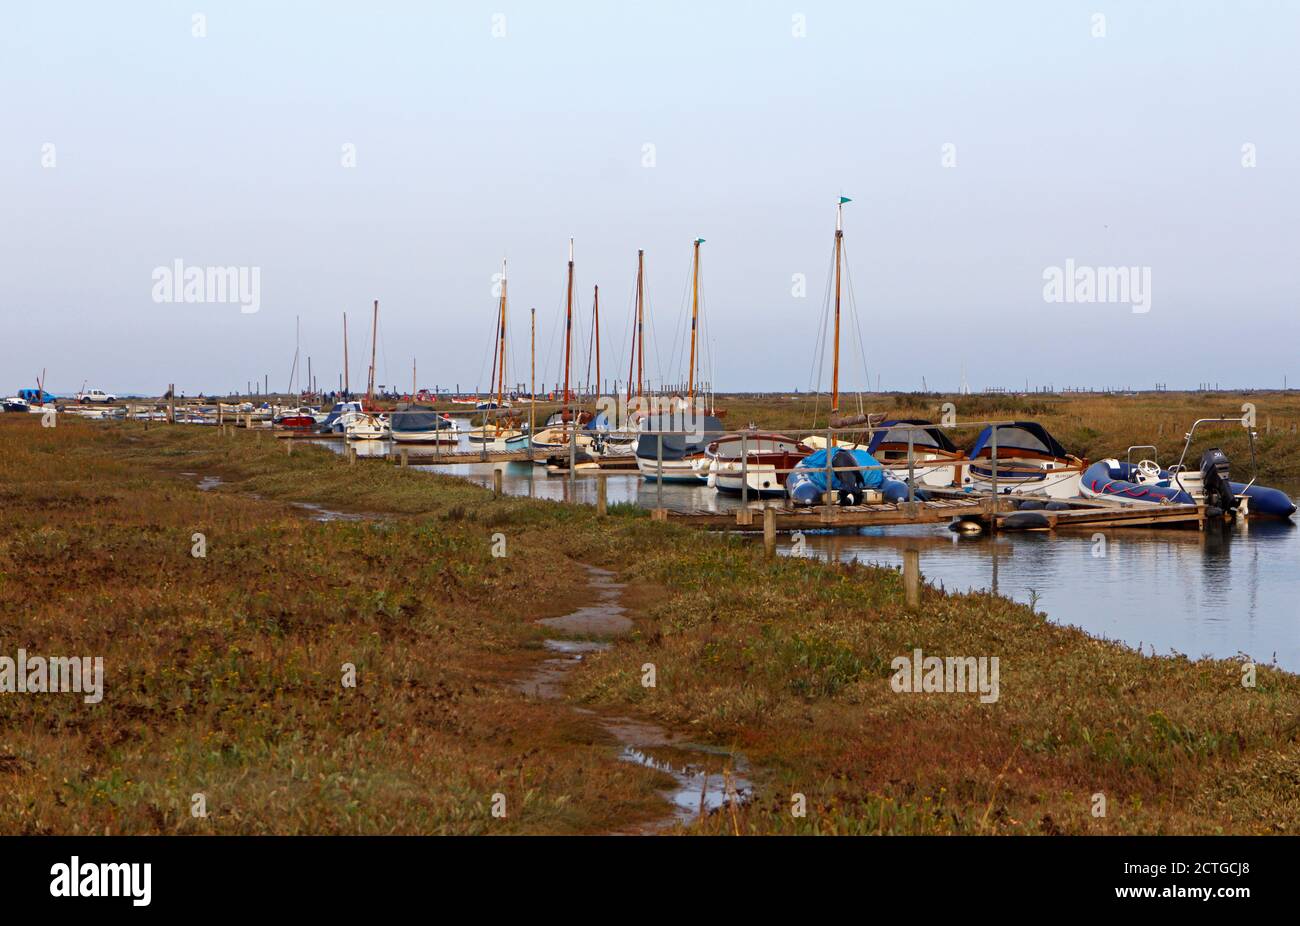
(850, 481)
(1214, 474)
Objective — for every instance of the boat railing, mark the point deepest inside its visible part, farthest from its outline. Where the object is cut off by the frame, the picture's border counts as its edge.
(1242, 420)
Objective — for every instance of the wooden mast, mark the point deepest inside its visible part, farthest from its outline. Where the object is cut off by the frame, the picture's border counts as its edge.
(501, 371)
(532, 379)
(595, 301)
(835, 375)
(374, 336)
(695, 317)
(640, 320)
(347, 386)
(568, 328)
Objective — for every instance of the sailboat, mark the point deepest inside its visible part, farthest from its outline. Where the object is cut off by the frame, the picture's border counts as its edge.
(368, 425)
(807, 485)
(495, 433)
(674, 457)
(554, 437)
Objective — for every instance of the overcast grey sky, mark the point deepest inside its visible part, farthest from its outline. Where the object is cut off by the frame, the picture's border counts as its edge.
(128, 142)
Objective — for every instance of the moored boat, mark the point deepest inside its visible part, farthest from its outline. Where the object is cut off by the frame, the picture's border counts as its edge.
(684, 455)
(1145, 483)
(417, 424)
(854, 474)
(935, 459)
(1029, 461)
(753, 459)
(365, 426)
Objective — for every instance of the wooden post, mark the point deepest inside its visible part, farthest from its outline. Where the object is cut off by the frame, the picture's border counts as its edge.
(769, 531)
(602, 481)
(288, 447)
(171, 403)
(744, 468)
(912, 578)
(496, 481)
(993, 519)
(828, 497)
(403, 453)
(352, 454)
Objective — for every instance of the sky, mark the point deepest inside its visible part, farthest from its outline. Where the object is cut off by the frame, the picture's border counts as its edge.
(347, 152)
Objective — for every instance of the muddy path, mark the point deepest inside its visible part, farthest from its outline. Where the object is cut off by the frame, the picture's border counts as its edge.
(698, 779)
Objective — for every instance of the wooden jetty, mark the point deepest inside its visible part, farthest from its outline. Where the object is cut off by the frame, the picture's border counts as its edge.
(998, 515)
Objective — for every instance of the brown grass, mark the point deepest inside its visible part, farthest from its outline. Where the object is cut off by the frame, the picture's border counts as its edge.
(223, 673)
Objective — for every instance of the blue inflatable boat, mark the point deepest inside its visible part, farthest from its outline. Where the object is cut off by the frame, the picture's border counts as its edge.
(1145, 483)
(852, 477)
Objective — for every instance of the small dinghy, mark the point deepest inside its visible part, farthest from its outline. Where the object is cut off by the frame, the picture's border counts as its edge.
(852, 479)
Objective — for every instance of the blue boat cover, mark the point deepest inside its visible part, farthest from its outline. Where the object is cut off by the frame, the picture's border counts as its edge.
(1020, 435)
(814, 466)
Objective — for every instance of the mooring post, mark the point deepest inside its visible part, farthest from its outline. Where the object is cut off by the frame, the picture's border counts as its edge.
(403, 454)
(828, 497)
(744, 469)
(769, 531)
(602, 481)
(352, 453)
(912, 578)
(911, 469)
(171, 403)
(288, 446)
(993, 518)
(496, 481)
(659, 482)
(573, 457)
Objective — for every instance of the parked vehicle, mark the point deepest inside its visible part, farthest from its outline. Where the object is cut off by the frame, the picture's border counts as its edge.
(36, 396)
(96, 396)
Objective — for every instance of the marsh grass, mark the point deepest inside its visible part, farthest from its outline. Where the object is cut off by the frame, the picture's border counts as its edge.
(223, 674)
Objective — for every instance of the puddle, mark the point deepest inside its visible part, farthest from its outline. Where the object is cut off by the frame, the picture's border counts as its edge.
(320, 513)
(209, 482)
(707, 779)
(548, 679)
(605, 617)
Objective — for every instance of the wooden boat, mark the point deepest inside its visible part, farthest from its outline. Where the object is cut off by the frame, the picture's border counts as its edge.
(496, 432)
(755, 458)
(935, 459)
(1036, 462)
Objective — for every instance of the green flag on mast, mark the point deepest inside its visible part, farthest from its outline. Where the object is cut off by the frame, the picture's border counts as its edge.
(845, 199)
